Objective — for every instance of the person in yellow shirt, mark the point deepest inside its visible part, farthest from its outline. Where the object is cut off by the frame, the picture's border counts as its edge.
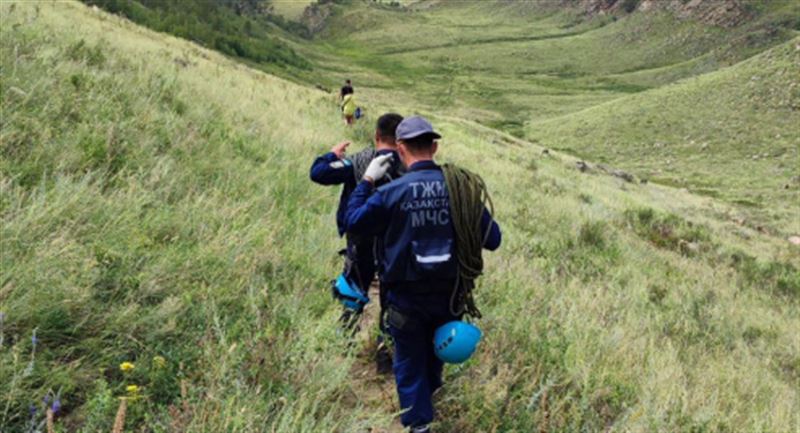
(349, 108)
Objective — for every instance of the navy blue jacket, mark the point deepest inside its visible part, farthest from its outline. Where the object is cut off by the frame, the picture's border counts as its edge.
(411, 217)
(330, 170)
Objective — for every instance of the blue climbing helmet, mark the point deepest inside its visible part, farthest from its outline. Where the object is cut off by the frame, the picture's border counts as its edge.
(455, 342)
(349, 294)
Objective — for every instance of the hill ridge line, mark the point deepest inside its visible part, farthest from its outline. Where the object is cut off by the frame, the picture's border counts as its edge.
(666, 87)
(487, 41)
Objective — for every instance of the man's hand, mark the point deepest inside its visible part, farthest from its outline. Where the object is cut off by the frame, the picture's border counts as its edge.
(340, 148)
(377, 168)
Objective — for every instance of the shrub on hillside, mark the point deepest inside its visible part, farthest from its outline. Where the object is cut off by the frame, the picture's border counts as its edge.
(782, 278)
(630, 5)
(668, 231)
(214, 24)
(689, 239)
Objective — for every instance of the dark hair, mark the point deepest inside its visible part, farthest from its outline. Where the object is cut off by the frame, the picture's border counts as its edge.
(387, 124)
(421, 143)
(347, 81)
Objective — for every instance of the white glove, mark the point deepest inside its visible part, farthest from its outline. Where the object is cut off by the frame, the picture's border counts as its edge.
(378, 167)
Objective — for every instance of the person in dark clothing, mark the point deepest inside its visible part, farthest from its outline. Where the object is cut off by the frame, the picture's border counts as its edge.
(334, 168)
(347, 89)
(411, 218)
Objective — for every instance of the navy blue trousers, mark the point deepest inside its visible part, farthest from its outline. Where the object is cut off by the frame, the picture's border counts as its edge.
(417, 370)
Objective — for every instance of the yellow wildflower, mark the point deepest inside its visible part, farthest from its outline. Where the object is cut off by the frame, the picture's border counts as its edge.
(159, 362)
(126, 366)
(132, 389)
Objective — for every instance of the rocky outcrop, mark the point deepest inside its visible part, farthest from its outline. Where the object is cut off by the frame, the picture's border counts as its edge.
(725, 13)
(315, 16)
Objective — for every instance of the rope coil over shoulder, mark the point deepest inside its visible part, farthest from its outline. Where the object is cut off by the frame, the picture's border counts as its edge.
(468, 199)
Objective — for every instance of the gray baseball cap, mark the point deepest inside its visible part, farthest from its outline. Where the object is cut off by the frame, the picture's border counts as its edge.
(415, 126)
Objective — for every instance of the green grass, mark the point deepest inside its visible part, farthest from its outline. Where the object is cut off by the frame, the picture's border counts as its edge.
(290, 9)
(535, 65)
(731, 134)
(244, 34)
(673, 101)
(155, 202)
(160, 229)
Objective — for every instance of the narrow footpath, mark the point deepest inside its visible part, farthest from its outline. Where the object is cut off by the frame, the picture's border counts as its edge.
(372, 390)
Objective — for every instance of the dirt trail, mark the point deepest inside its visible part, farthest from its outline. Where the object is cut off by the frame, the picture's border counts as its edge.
(371, 389)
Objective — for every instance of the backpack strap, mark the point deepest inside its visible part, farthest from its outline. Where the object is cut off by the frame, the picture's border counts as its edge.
(361, 161)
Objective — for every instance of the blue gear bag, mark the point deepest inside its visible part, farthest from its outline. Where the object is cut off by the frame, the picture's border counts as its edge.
(349, 294)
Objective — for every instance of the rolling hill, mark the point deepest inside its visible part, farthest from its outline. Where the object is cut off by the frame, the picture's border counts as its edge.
(661, 92)
(733, 134)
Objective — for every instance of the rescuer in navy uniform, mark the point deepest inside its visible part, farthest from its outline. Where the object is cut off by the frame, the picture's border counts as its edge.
(335, 168)
(411, 218)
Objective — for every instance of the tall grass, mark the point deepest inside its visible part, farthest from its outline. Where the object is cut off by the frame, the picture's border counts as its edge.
(675, 101)
(143, 219)
(156, 205)
(731, 134)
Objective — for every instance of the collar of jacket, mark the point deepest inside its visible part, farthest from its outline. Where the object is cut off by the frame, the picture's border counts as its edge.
(423, 165)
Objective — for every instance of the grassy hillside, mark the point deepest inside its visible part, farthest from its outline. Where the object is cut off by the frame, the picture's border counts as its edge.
(155, 203)
(156, 210)
(591, 86)
(290, 9)
(673, 101)
(243, 29)
(733, 134)
(502, 61)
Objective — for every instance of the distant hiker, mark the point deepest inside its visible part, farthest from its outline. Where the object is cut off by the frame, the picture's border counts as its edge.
(347, 89)
(349, 108)
(413, 221)
(348, 103)
(333, 168)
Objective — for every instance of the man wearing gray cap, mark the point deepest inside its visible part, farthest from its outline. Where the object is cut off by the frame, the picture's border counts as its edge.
(411, 218)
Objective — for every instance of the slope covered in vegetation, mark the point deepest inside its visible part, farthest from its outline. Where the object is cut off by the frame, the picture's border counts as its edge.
(547, 71)
(156, 210)
(505, 60)
(734, 134)
(243, 29)
(669, 98)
